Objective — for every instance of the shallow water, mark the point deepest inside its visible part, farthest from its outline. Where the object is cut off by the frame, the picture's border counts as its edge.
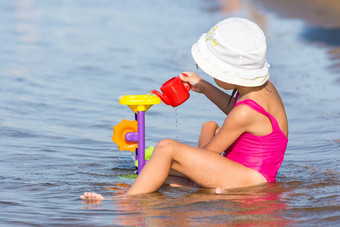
(63, 65)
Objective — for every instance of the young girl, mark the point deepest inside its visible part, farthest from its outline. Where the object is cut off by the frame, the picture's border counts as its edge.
(253, 137)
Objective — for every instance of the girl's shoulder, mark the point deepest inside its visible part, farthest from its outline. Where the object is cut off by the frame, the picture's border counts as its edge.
(242, 115)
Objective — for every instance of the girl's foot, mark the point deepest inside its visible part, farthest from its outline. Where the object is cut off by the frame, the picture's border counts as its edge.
(177, 181)
(92, 196)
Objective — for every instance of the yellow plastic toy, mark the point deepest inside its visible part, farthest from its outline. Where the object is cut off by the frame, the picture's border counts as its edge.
(130, 135)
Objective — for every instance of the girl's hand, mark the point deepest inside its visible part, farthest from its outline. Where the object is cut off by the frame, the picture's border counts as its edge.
(217, 130)
(193, 79)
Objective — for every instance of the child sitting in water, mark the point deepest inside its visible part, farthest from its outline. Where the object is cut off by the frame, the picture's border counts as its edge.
(253, 137)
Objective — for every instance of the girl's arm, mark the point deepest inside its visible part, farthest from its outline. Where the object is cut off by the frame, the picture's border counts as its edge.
(238, 121)
(218, 97)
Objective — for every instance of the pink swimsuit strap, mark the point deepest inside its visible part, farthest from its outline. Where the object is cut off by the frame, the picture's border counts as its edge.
(255, 106)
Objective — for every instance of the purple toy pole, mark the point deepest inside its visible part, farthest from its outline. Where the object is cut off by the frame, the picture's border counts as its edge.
(141, 139)
(136, 151)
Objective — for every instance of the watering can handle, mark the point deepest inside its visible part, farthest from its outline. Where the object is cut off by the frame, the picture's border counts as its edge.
(188, 84)
(188, 87)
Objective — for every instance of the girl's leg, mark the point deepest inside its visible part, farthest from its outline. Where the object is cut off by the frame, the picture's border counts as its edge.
(154, 173)
(177, 181)
(208, 131)
(205, 168)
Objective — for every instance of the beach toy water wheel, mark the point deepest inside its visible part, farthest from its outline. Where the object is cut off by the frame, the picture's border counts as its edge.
(119, 132)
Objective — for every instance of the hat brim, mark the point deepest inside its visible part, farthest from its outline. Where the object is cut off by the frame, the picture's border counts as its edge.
(218, 69)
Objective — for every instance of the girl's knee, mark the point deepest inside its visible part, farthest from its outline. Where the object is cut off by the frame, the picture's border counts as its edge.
(209, 124)
(165, 145)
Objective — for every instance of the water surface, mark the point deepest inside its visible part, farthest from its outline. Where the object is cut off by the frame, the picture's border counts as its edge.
(63, 65)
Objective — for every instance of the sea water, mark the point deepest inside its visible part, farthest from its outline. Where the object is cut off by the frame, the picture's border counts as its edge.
(63, 65)
(176, 123)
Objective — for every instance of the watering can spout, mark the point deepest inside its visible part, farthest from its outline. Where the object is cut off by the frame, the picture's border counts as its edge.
(163, 97)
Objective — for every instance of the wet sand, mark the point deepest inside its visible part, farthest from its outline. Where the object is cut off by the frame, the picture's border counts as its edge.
(322, 22)
(321, 18)
(324, 13)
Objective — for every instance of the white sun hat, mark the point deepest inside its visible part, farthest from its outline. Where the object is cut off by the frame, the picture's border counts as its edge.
(233, 51)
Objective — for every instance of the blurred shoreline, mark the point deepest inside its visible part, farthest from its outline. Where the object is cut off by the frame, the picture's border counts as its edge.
(323, 13)
(321, 18)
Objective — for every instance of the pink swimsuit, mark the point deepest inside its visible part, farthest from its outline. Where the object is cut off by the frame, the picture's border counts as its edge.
(263, 154)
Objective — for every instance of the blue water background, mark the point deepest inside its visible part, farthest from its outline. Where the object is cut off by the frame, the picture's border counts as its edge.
(63, 65)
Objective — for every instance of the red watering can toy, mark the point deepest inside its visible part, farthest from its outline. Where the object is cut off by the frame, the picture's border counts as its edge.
(174, 92)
